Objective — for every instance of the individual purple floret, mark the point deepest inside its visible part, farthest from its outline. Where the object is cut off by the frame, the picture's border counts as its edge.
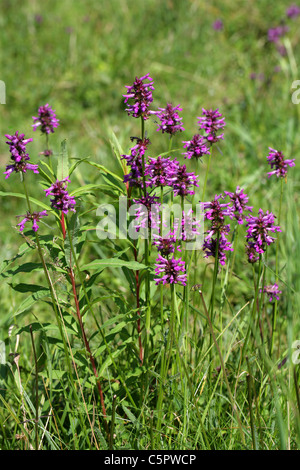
(17, 146)
(211, 121)
(141, 94)
(34, 218)
(258, 232)
(218, 25)
(61, 200)
(239, 204)
(280, 165)
(183, 181)
(172, 270)
(274, 34)
(272, 291)
(293, 11)
(46, 119)
(196, 147)
(211, 245)
(161, 171)
(170, 122)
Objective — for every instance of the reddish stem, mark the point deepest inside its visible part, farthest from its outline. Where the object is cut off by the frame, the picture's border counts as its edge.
(86, 342)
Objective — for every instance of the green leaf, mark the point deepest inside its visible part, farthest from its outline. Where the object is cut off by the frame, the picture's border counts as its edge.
(114, 263)
(63, 162)
(27, 287)
(32, 199)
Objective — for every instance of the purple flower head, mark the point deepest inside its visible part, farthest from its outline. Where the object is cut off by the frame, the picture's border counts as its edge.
(17, 146)
(239, 204)
(211, 121)
(187, 227)
(272, 291)
(161, 171)
(218, 25)
(170, 122)
(147, 212)
(172, 270)
(46, 119)
(141, 94)
(277, 161)
(183, 181)
(196, 147)
(21, 167)
(274, 34)
(165, 245)
(216, 213)
(293, 11)
(212, 245)
(258, 232)
(134, 160)
(34, 218)
(61, 200)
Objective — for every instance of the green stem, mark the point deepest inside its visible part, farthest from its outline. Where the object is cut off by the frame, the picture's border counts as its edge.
(276, 271)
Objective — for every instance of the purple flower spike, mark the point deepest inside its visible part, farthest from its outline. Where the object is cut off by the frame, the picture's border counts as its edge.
(172, 270)
(211, 245)
(17, 146)
(239, 204)
(211, 121)
(277, 161)
(46, 119)
(34, 218)
(183, 181)
(216, 213)
(293, 11)
(258, 233)
(170, 120)
(134, 161)
(218, 25)
(61, 199)
(274, 34)
(147, 212)
(161, 171)
(272, 291)
(196, 147)
(141, 94)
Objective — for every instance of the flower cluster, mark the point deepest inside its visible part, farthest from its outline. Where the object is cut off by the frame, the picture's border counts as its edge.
(172, 270)
(216, 235)
(211, 122)
(293, 11)
(46, 120)
(141, 94)
(33, 217)
(17, 146)
(196, 147)
(61, 200)
(160, 171)
(239, 204)
(277, 161)
(258, 233)
(170, 122)
(272, 291)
